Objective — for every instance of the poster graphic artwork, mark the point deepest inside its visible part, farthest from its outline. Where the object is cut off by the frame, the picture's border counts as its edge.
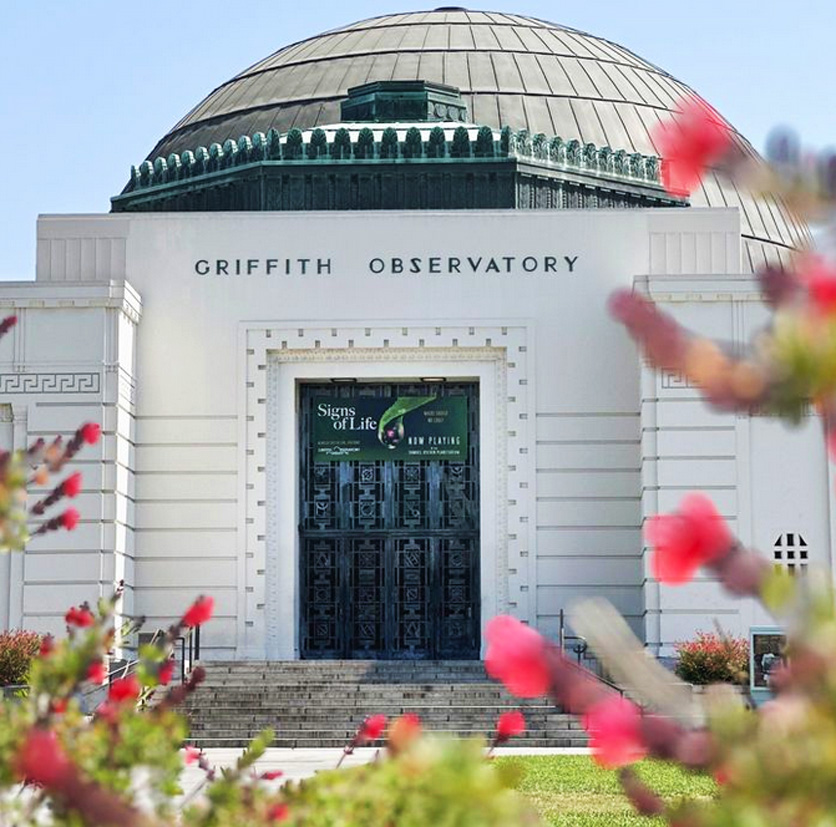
(379, 428)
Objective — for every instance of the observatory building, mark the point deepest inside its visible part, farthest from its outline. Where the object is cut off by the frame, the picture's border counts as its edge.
(345, 330)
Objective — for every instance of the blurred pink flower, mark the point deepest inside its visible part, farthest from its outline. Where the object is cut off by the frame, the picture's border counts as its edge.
(96, 672)
(80, 616)
(199, 612)
(686, 540)
(70, 518)
(165, 672)
(191, 755)
(72, 485)
(696, 138)
(516, 656)
(403, 732)
(278, 812)
(614, 727)
(819, 277)
(371, 729)
(41, 759)
(509, 725)
(124, 689)
(90, 432)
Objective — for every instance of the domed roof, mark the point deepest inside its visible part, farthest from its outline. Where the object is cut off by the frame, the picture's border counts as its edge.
(511, 70)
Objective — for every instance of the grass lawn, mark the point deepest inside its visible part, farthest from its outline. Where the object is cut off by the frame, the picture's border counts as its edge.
(571, 791)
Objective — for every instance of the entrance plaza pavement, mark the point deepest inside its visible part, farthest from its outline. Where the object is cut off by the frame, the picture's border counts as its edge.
(303, 762)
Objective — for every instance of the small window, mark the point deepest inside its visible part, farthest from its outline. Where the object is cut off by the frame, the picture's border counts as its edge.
(790, 552)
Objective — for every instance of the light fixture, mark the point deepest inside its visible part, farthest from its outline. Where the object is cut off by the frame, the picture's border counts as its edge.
(433, 379)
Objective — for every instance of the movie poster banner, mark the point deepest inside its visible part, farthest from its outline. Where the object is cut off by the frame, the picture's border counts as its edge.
(372, 428)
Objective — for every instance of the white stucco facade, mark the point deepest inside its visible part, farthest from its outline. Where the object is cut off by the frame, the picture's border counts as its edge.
(187, 336)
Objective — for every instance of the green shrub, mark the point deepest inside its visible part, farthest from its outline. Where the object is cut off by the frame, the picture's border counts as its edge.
(17, 648)
(710, 658)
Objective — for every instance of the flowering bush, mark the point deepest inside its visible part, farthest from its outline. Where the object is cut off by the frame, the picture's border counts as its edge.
(121, 765)
(84, 767)
(712, 658)
(17, 648)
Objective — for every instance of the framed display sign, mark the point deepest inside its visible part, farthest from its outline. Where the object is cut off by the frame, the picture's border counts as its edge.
(766, 651)
(373, 428)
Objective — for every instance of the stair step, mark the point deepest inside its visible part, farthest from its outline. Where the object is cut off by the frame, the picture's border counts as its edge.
(322, 703)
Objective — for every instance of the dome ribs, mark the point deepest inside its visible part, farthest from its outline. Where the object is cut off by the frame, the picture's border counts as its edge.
(520, 71)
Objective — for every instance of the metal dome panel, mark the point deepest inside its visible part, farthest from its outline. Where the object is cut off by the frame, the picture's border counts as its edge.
(511, 70)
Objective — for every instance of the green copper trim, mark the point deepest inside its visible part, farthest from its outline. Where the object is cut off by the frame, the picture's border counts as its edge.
(351, 143)
(403, 101)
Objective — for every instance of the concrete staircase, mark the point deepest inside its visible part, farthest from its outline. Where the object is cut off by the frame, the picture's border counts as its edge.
(321, 703)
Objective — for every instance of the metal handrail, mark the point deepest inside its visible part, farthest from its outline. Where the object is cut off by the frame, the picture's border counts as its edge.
(189, 643)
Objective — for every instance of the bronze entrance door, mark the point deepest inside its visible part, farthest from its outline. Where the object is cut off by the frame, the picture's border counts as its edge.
(389, 549)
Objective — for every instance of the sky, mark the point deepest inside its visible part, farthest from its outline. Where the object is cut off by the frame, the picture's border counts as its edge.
(87, 87)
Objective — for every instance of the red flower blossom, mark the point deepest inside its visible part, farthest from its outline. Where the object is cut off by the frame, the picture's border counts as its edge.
(278, 812)
(682, 542)
(371, 729)
(819, 276)
(696, 138)
(516, 656)
(403, 732)
(72, 485)
(58, 706)
(614, 727)
(47, 646)
(96, 672)
(42, 760)
(509, 725)
(191, 755)
(165, 672)
(90, 432)
(79, 616)
(199, 612)
(70, 518)
(271, 775)
(124, 689)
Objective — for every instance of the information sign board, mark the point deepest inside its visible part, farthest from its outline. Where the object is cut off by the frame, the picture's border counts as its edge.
(370, 428)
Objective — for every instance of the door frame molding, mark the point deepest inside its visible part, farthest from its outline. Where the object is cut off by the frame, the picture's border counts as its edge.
(275, 358)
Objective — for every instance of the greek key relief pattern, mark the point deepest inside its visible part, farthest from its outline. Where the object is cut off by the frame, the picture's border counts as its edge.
(507, 346)
(674, 380)
(12, 383)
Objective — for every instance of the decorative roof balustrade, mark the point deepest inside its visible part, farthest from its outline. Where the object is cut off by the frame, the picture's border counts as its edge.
(398, 143)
